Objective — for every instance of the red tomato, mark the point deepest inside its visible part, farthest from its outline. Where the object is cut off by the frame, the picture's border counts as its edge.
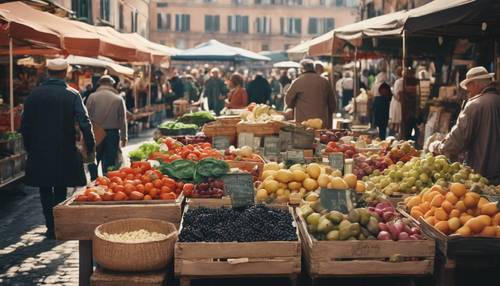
(93, 197)
(192, 157)
(129, 188)
(148, 186)
(165, 189)
(170, 183)
(130, 177)
(147, 198)
(102, 181)
(140, 188)
(112, 186)
(167, 196)
(117, 180)
(82, 198)
(113, 174)
(136, 196)
(108, 196)
(145, 179)
(153, 192)
(120, 196)
(158, 183)
(127, 170)
(119, 188)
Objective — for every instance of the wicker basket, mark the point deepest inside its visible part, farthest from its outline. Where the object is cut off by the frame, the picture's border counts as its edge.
(134, 257)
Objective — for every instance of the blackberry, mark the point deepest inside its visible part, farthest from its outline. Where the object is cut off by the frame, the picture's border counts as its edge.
(256, 223)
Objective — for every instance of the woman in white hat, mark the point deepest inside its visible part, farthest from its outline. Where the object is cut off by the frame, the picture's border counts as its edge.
(477, 131)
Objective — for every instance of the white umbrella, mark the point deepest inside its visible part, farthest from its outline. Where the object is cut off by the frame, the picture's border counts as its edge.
(101, 63)
(286, 65)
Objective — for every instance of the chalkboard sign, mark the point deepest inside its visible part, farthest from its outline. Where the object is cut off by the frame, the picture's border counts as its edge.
(286, 140)
(246, 139)
(272, 146)
(296, 156)
(240, 187)
(338, 200)
(319, 147)
(336, 160)
(220, 142)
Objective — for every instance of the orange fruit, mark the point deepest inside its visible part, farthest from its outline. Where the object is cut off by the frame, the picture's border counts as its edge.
(482, 201)
(471, 199)
(496, 220)
(454, 213)
(441, 214)
(429, 213)
(460, 205)
(489, 231)
(458, 189)
(464, 218)
(416, 213)
(425, 206)
(477, 224)
(147, 198)
(437, 200)
(454, 224)
(464, 231)
(451, 198)
(413, 201)
(489, 209)
(431, 220)
(442, 226)
(438, 188)
(447, 206)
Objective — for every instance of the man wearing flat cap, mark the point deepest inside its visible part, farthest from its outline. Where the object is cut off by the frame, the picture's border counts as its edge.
(477, 131)
(311, 96)
(48, 128)
(107, 110)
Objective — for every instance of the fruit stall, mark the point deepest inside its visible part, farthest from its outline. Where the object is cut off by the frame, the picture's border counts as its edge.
(357, 206)
(12, 158)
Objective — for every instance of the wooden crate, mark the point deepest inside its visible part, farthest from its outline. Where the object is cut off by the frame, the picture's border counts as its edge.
(453, 246)
(213, 129)
(194, 260)
(77, 221)
(102, 277)
(225, 201)
(364, 257)
(6, 169)
(228, 120)
(259, 129)
(248, 165)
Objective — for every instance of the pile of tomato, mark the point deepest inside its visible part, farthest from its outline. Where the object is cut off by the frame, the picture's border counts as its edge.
(177, 151)
(138, 182)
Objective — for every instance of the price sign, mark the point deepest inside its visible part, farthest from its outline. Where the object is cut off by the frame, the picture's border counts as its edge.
(272, 146)
(319, 147)
(336, 160)
(296, 156)
(220, 142)
(338, 200)
(286, 140)
(240, 187)
(246, 139)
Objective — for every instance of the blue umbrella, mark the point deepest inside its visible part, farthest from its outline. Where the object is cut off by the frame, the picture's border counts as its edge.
(214, 50)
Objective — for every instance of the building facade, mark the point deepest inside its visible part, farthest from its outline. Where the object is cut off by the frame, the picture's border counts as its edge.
(257, 25)
(373, 8)
(123, 15)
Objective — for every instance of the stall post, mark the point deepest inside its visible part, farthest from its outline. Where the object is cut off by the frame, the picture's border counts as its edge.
(11, 85)
(355, 83)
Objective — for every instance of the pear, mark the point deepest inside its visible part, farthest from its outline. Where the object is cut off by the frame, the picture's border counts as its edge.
(313, 219)
(373, 226)
(333, 235)
(335, 216)
(325, 225)
(355, 229)
(353, 216)
(344, 233)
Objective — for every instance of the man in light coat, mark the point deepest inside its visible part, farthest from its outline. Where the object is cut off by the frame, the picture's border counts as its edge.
(477, 131)
(107, 110)
(311, 96)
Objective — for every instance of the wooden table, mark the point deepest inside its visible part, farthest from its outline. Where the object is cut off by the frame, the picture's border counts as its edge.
(77, 221)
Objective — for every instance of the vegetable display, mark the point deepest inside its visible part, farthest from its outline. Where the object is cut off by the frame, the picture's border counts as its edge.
(144, 151)
(189, 171)
(198, 118)
(138, 182)
(178, 128)
(256, 223)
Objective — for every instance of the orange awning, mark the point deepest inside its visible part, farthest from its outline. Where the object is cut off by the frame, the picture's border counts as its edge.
(142, 53)
(75, 37)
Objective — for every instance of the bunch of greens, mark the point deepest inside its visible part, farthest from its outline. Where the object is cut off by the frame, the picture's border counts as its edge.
(177, 125)
(10, 136)
(199, 118)
(143, 152)
(189, 171)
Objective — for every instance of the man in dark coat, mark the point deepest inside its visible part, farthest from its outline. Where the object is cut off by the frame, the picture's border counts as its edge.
(259, 90)
(215, 91)
(381, 106)
(48, 129)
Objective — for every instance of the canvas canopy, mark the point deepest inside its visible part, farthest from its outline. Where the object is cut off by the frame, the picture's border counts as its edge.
(214, 50)
(93, 62)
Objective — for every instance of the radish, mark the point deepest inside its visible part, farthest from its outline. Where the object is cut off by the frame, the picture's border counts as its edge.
(403, 236)
(393, 230)
(399, 225)
(382, 226)
(415, 230)
(384, 235)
